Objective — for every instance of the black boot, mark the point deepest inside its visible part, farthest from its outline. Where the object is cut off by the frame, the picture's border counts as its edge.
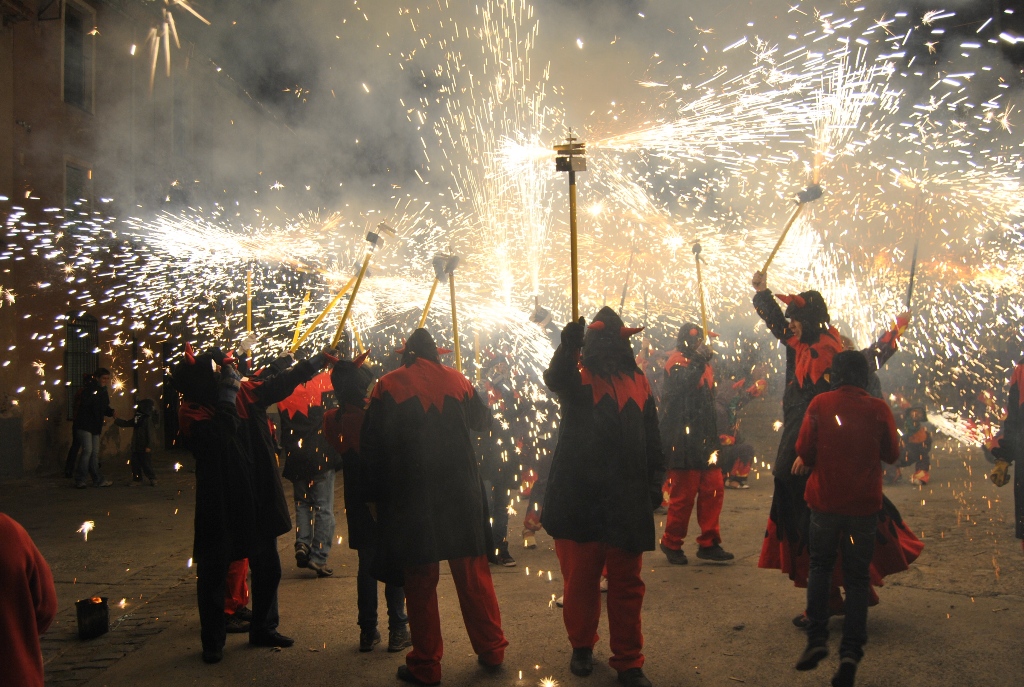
(582, 662)
(844, 677)
(634, 677)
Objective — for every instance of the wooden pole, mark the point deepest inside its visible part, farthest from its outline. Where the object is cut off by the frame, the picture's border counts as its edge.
(703, 306)
(476, 355)
(785, 230)
(323, 314)
(351, 300)
(248, 301)
(455, 323)
(426, 308)
(359, 340)
(574, 255)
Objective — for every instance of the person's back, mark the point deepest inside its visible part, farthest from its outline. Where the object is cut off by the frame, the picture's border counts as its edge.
(28, 604)
(845, 434)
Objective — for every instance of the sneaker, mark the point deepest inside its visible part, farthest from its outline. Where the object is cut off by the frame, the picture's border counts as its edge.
(397, 640)
(844, 677)
(675, 556)
(234, 625)
(505, 558)
(582, 662)
(714, 553)
(489, 667)
(105, 483)
(244, 613)
(405, 675)
(321, 569)
(302, 555)
(529, 541)
(811, 657)
(368, 639)
(802, 621)
(634, 677)
(560, 601)
(920, 477)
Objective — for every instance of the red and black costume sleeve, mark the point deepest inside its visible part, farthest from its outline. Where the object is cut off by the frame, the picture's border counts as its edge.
(689, 428)
(421, 469)
(1011, 446)
(608, 467)
(878, 354)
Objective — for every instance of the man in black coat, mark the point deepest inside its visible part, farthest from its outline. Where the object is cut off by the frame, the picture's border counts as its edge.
(604, 484)
(240, 505)
(423, 482)
(689, 439)
(93, 410)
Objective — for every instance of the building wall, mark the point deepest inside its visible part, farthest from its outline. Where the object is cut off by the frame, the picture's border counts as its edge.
(195, 138)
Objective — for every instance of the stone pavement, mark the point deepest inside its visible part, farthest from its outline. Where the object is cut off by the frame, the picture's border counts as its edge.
(954, 618)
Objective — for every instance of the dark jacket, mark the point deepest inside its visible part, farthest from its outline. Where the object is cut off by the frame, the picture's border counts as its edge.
(302, 430)
(689, 431)
(607, 470)
(807, 365)
(93, 408)
(499, 458)
(143, 421)
(421, 467)
(845, 436)
(254, 397)
(342, 429)
(1011, 445)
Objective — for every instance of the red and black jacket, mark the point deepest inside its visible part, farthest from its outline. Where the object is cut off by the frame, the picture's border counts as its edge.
(689, 431)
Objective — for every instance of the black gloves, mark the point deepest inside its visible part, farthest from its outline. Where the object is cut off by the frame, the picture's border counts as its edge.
(324, 358)
(572, 334)
(229, 383)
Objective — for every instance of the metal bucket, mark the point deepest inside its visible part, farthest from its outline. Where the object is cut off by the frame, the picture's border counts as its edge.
(93, 617)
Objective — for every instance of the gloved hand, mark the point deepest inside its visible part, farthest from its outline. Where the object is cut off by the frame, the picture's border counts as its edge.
(759, 281)
(999, 474)
(572, 334)
(812, 192)
(247, 343)
(229, 383)
(326, 357)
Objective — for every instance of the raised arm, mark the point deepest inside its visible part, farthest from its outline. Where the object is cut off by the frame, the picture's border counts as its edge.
(768, 309)
(563, 374)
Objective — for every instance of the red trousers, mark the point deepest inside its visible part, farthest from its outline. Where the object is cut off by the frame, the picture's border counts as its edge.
(581, 565)
(472, 578)
(707, 488)
(237, 589)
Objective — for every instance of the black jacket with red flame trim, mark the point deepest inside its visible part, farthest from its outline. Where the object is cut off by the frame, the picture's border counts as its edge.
(689, 428)
(607, 470)
(807, 366)
(1011, 446)
(421, 469)
(302, 430)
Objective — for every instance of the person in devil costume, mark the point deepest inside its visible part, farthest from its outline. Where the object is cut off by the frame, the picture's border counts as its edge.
(240, 505)
(423, 482)
(352, 381)
(1010, 448)
(736, 455)
(689, 440)
(308, 466)
(604, 485)
(811, 343)
(917, 444)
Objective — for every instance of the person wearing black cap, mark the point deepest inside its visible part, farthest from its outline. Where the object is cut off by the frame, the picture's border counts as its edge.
(845, 437)
(604, 484)
(423, 482)
(690, 442)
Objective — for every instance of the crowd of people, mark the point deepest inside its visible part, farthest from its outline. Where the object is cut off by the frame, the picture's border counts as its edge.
(432, 464)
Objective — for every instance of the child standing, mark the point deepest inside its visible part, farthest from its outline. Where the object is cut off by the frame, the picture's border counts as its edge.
(142, 447)
(845, 437)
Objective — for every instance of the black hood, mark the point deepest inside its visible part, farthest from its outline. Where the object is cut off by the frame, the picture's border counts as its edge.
(606, 351)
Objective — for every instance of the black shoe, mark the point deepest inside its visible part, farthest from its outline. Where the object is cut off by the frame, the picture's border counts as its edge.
(811, 657)
(399, 639)
(802, 621)
(582, 662)
(634, 677)
(675, 556)
(847, 672)
(321, 569)
(505, 558)
(271, 639)
(405, 675)
(234, 625)
(302, 555)
(490, 668)
(244, 613)
(714, 553)
(368, 639)
(212, 655)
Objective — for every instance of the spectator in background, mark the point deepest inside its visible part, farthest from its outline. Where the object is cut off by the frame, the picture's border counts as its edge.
(93, 409)
(28, 604)
(76, 445)
(142, 442)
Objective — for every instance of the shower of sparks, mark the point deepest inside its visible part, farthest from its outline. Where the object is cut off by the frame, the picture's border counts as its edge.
(87, 527)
